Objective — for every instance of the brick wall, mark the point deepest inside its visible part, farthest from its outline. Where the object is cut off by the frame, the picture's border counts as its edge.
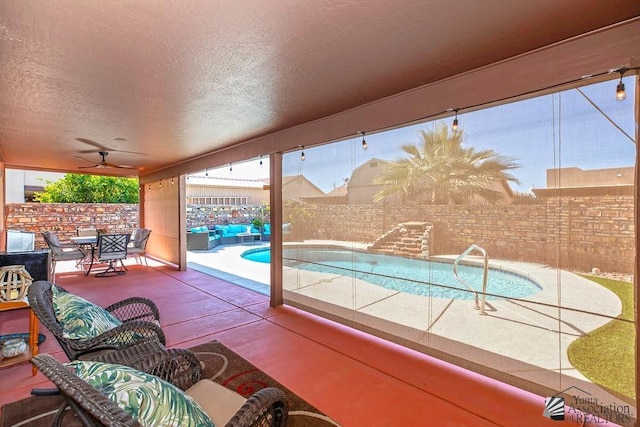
(65, 218)
(576, 233)
(573, 233)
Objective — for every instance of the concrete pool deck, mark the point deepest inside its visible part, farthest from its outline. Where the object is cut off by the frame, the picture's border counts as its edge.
(522, 339)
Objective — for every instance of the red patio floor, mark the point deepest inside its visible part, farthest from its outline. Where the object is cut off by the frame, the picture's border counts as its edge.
(356, 379)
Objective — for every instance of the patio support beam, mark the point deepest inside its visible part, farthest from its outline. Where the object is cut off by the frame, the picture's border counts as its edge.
(275, 199)
(636, 198)
(3, 208)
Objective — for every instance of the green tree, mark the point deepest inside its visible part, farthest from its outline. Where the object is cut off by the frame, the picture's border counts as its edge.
(78, 188)
(438, 169)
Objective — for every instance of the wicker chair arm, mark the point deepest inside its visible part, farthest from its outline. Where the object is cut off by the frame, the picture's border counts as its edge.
(93, 407)
(180, 367)
(266, 407)
(121, 336)
(135, 308)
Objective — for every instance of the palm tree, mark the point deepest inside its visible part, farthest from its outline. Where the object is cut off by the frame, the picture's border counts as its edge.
(440, 170)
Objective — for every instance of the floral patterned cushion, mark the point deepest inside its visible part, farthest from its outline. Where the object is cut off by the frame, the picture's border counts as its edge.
(147, 398)
(79, 318)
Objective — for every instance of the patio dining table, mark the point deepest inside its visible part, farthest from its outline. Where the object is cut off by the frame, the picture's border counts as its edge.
(88, 245)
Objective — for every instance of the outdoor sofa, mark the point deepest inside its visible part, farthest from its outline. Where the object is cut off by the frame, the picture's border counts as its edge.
(229, 233)
(266, 232)
(201, 238)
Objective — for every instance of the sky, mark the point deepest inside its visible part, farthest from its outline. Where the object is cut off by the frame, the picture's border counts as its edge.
(557, 130)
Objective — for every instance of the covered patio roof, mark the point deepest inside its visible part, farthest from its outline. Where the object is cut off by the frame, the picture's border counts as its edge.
(165, 83)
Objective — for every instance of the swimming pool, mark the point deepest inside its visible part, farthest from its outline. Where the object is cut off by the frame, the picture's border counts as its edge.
(418, 277)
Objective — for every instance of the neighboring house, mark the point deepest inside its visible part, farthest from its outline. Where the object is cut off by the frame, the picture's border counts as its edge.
(594, 182)
(203, 190)
(298, 187)
(361, 188)
(337, 196)
(22, 184)
(339, 191)
(501, 186)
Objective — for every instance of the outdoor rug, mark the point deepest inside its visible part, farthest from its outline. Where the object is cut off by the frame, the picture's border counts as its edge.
(220, 364)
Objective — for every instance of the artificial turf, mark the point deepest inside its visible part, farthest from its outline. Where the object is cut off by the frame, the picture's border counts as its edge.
(606, 355)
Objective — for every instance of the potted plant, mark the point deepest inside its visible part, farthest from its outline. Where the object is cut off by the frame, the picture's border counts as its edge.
(258, 224)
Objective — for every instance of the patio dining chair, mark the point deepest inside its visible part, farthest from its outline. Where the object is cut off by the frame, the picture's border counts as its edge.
(138, 244)
(112, 248)
(62, 251)
(84, 232)
(98, 394)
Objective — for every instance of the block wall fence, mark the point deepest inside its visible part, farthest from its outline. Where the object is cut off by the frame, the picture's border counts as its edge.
(65, 218)
(577, 233)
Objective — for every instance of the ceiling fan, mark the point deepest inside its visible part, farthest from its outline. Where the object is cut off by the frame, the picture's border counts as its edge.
(103, 163)
(99, 147)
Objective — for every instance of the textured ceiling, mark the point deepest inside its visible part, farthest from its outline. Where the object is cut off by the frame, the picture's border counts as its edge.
(178, 79)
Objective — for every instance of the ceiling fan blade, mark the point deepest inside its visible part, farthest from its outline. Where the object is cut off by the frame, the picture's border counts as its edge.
(112, 165)
(93, 143)
(86, 160)
(100, 147)
(97, 150)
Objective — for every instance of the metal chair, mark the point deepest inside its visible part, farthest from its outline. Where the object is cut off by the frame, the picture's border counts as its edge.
(85, 232)
(62, 251)
(111, 249)
(138, 244)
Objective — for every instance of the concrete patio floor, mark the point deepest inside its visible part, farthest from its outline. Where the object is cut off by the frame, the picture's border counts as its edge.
(523, 340)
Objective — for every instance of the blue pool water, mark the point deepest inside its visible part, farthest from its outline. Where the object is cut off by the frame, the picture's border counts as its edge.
(412, 276)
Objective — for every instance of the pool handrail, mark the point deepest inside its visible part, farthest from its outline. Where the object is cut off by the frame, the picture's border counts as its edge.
(484, 277)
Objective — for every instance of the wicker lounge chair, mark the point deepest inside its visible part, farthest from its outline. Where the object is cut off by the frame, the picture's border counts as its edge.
(139, 317)
(267, 407)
